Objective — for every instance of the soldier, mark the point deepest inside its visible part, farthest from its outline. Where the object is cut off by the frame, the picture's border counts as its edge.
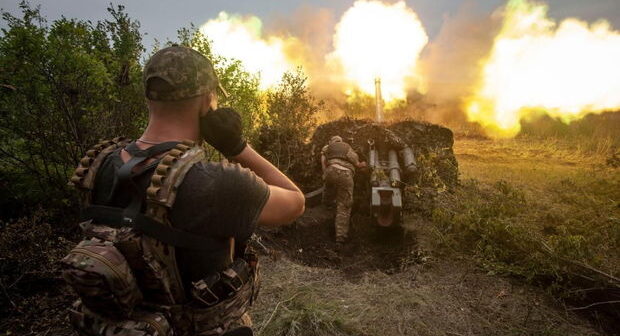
(173, 225)
(339, 162)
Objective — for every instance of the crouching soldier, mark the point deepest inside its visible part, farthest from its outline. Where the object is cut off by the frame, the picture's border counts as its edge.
(339, 162)
(166, 231)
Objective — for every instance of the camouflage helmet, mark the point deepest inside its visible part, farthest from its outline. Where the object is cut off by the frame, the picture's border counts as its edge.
(334, 139)
(177, 73)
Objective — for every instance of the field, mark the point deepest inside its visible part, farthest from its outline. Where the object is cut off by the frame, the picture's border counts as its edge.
(458, 281)
(472, 268)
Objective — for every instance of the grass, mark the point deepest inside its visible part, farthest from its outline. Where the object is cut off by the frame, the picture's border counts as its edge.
(433, 299)
(543, 210)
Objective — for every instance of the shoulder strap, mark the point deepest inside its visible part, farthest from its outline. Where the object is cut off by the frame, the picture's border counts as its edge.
(83, 178)
(126, 175)
(160, 197)
(116, 218)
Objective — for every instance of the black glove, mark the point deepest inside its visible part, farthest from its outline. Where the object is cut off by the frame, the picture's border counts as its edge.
(222, 129)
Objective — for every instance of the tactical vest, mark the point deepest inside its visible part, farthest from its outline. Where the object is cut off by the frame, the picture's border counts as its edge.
(337, 150)
(125, 271)
(336, 153)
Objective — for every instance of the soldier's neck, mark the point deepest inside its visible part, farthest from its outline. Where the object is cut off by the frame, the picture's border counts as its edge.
(162, 128)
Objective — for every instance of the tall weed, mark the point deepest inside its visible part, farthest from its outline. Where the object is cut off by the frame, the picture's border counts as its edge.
(511, 234)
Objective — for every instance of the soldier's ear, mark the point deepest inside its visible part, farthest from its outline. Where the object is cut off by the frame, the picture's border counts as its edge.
(213, 101)
(208, 102)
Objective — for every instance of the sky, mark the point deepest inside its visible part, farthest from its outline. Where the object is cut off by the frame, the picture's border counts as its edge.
(160, 19)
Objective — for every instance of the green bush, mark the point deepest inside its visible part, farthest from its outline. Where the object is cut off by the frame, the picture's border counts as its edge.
(290, 120)
(65, 86)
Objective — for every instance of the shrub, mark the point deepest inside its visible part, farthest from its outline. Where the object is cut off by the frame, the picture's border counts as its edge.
(65, 86)
(290, 120)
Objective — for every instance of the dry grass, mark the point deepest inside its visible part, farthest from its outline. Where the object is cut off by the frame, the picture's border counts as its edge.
(532, 164)
(438, 298)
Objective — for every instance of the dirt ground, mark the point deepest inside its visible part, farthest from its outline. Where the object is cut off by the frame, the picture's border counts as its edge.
(395, 287)
(378, 285)
(437, 297)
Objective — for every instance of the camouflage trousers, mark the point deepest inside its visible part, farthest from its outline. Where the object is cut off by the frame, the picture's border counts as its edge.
(339, 184)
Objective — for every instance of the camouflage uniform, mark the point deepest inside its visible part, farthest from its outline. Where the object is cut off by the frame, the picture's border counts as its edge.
(338, 178)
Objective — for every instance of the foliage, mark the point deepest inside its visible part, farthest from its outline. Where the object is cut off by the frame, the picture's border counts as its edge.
(290, 120)
(359, 105)
(557, 244)
(30, 250)
(65, 86)
(291, 107)
(592, 126)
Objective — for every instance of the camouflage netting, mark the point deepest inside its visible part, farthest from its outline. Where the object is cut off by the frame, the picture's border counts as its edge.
(432, 145)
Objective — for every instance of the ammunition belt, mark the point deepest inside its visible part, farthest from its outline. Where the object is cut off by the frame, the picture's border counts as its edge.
(163, 169)
(84, 176)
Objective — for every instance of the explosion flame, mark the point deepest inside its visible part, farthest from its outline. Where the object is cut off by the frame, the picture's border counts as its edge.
(240, 38)
(536, 66)
(373, 40)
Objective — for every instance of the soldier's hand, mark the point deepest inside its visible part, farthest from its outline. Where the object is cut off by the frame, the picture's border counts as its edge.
(362, 164)
(222, 129)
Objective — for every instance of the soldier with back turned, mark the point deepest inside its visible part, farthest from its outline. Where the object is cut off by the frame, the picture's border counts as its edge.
(339, 162)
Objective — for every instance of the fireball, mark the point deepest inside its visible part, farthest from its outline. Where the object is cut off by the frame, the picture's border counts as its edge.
(378, 40)
(537, 66)
(241, 38)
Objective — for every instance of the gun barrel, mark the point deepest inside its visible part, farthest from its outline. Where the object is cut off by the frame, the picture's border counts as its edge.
(373, 158)
(409, 161)
(378, 100)
(386, 196)
(394, 167)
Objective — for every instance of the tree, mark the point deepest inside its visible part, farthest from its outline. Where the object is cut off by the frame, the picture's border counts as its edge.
(290, 120)
(73, 83)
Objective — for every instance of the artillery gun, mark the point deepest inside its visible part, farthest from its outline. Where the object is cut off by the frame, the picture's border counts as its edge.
(386, 196)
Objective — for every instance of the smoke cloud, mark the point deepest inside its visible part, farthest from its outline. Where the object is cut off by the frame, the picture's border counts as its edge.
(451, 64)
(445, 81)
